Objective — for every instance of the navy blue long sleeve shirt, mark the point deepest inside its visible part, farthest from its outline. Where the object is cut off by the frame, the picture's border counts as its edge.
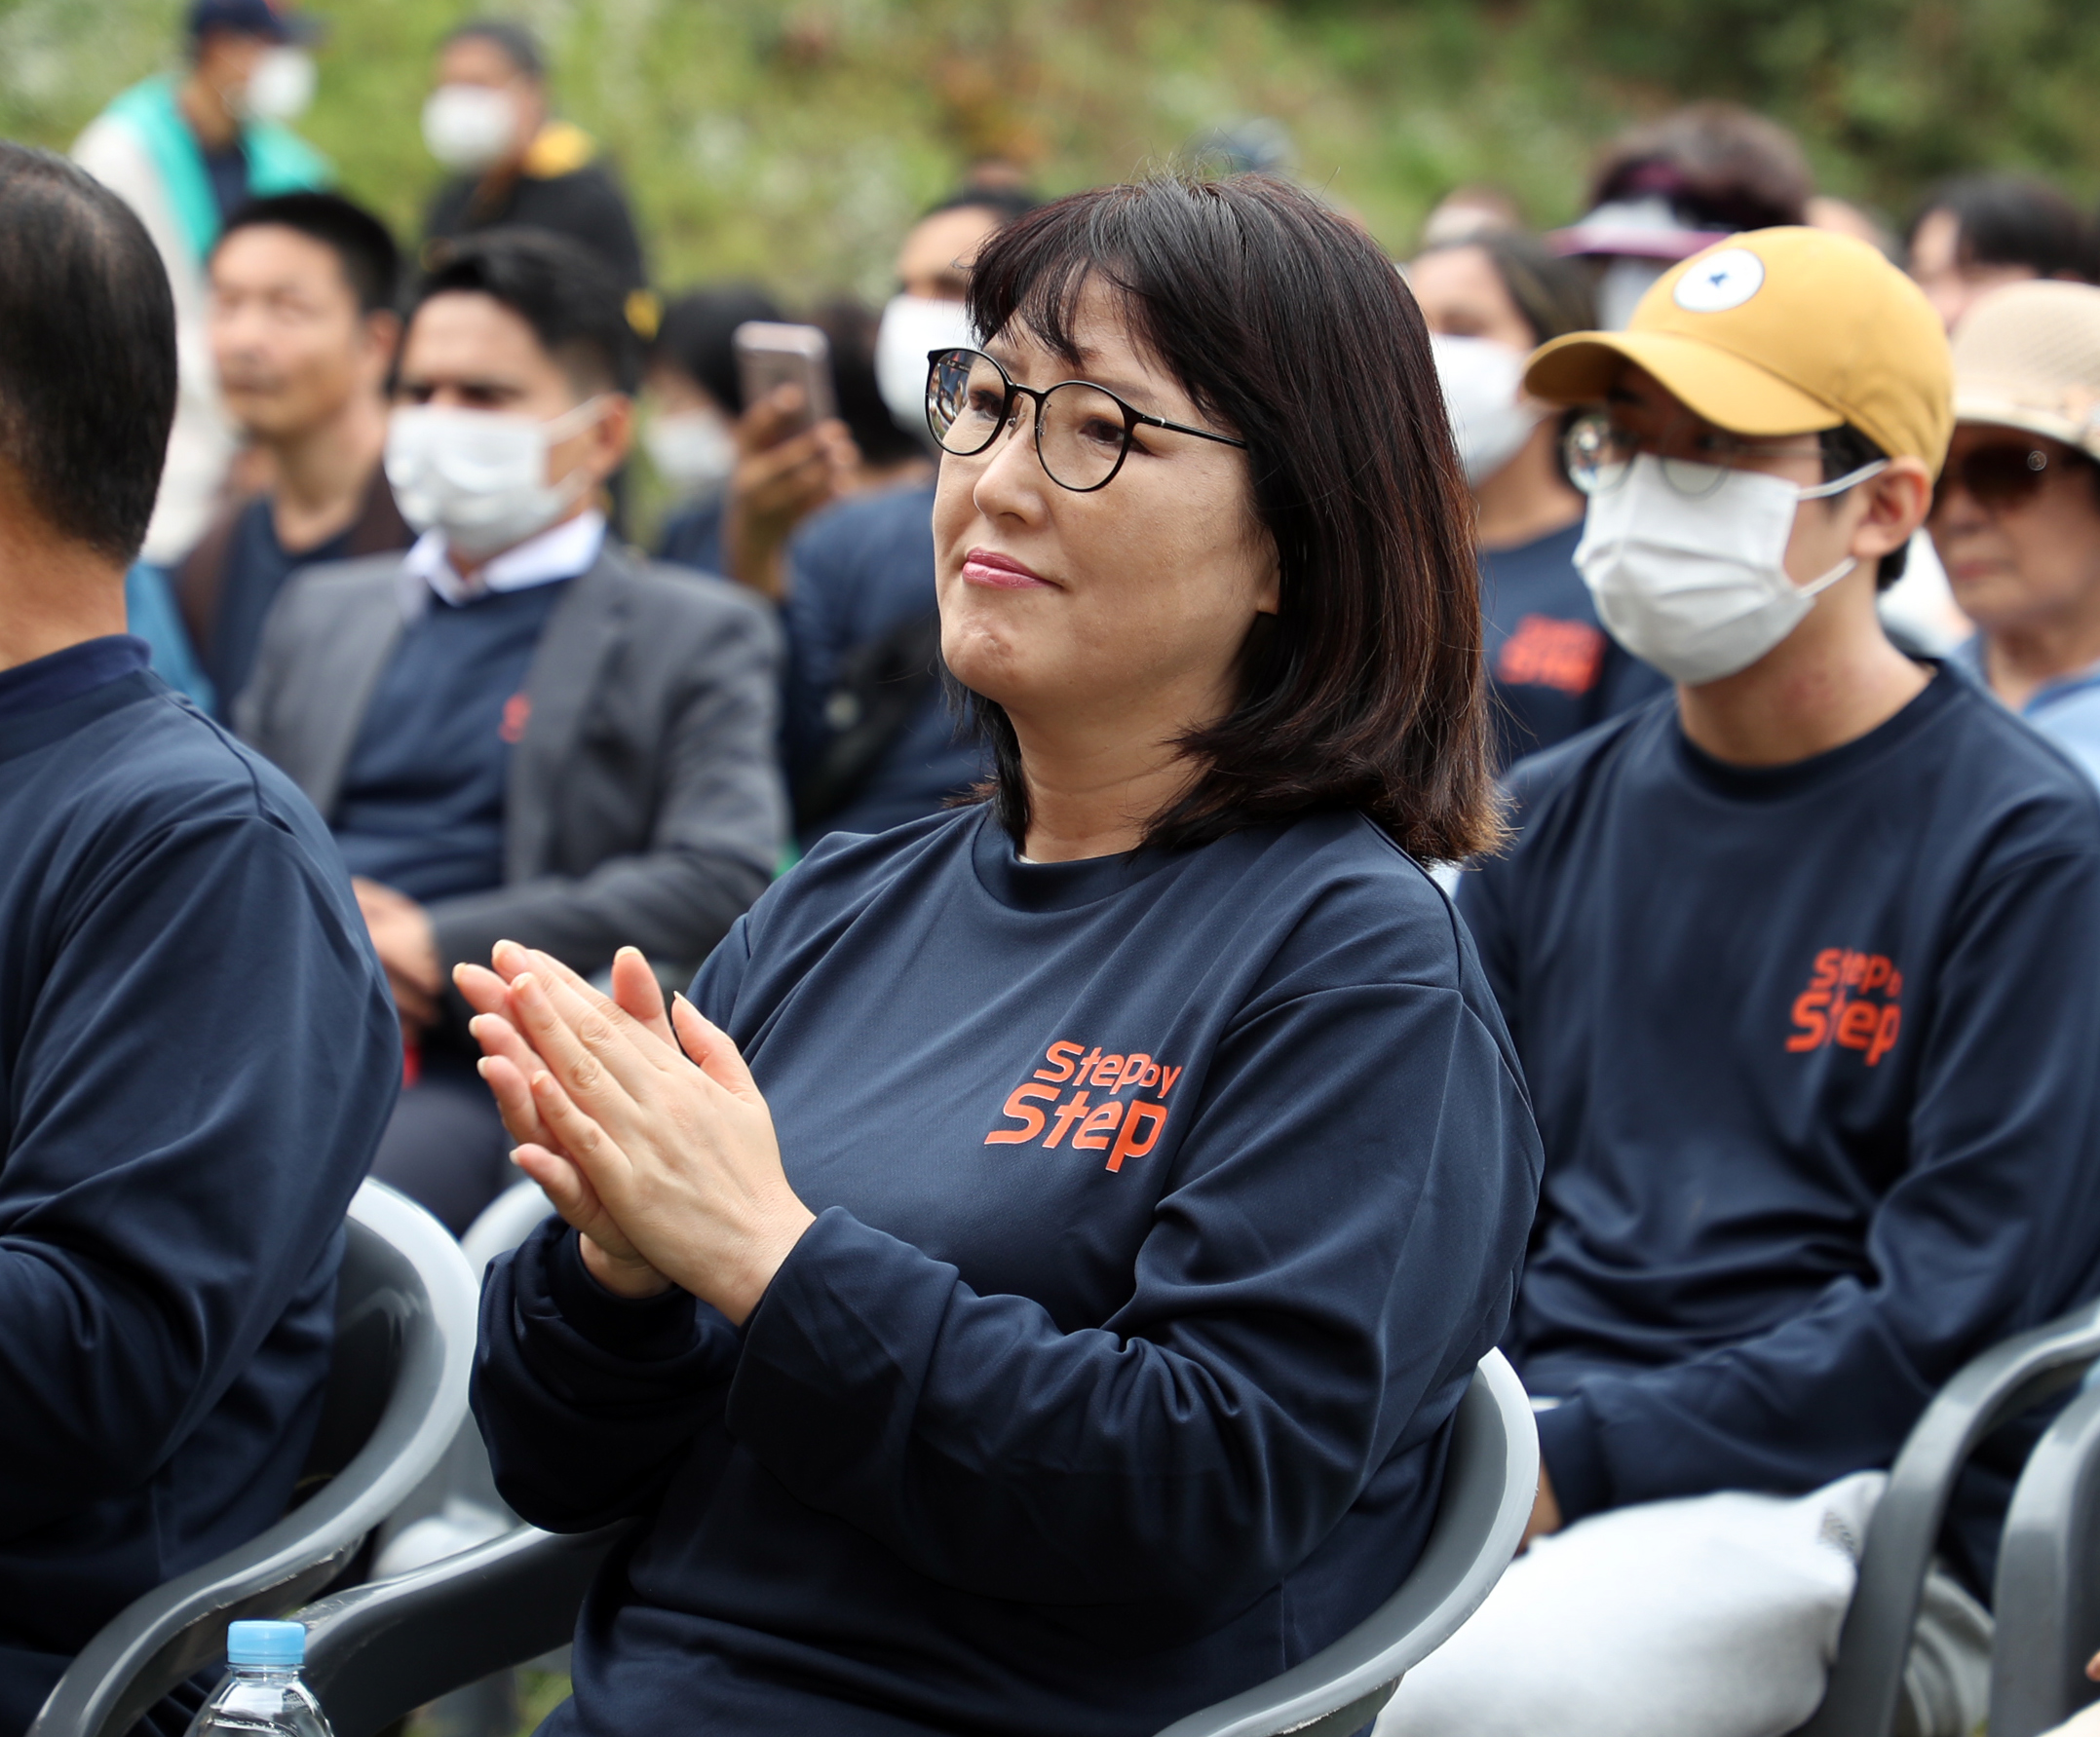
(1816, 1054)
(1165, 1204)
(196, 1056)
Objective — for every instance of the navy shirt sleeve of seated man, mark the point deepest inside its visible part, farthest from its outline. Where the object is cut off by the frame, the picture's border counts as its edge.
(1165, 1208)
(1812, 1054)
(196, 1056)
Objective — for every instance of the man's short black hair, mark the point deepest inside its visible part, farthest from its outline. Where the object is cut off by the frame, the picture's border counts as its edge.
(2006, 219)
(518, 45)
(86, 352)
(360, 243)
(559, 287)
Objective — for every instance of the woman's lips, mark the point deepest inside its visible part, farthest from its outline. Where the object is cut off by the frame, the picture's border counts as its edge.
(986, 566)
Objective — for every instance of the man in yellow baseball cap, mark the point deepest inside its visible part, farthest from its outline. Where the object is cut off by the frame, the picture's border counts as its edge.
(1796, 959)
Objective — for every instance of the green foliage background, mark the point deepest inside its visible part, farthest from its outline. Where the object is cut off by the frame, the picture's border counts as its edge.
(793, 141)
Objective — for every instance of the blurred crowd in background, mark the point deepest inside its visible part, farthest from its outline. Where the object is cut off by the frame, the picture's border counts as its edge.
(292, 454)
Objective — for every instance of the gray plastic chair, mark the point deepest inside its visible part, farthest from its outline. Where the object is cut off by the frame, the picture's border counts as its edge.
(404, 1330)
(456, 1506)
(1866, 1677)
(376, 1652)
(2048, 1595)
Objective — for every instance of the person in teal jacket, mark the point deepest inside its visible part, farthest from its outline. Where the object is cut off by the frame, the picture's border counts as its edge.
(183, 150)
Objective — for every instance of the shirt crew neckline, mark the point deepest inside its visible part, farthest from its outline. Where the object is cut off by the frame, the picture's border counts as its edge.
(1053, 886)
(65, 674)
(1777, 783)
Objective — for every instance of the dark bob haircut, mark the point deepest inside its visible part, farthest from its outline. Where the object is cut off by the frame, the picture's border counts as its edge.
(559, 287)
(1289, 328)
(86, 352)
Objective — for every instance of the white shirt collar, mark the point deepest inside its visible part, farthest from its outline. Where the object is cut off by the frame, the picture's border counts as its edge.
(563, 551)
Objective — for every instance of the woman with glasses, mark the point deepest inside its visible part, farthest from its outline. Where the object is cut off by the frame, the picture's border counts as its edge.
(2016, 516)
(1027, 1287)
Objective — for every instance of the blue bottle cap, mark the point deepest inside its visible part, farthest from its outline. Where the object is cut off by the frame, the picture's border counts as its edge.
(281, 1644)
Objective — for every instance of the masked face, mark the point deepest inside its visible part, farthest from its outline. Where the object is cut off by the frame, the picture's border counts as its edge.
(692, 450)
(1692, 580)
(470, 127)
(480, 477)
(912, 325)
(1483, 392)
(281, 87)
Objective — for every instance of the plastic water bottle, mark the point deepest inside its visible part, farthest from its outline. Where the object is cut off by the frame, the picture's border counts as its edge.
(262, 1695)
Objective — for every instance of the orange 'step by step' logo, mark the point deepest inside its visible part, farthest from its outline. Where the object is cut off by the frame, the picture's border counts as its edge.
(1851, 1002)
(1079, 1093)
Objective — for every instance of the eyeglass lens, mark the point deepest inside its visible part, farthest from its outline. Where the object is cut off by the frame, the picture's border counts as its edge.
(1080, 431)
(1998, 477)
(1599, 454)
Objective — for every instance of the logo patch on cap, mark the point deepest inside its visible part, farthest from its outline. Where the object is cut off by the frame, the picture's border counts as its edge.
(1723, 281)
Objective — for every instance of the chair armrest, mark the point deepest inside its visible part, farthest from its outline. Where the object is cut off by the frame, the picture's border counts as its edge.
(2048, 1616)
(2011, 1378)
(377, 1651)
(1491, 1481)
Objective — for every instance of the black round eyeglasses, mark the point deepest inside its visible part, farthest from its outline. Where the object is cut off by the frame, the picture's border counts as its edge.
(1083, 431)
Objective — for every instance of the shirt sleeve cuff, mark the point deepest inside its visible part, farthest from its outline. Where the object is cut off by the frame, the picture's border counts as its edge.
(835, 1354)
(1574, 1460)
(642, 1329)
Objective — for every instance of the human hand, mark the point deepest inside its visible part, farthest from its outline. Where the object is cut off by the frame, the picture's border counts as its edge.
(1544, 1512)
(678, 1147)
(508, 1064)
(782, 476)
(407, 947)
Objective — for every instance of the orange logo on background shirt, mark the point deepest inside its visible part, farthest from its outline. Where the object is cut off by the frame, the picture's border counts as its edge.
(517, 714)
(1836, 1008)
(1124, 1128)
(1544, 653)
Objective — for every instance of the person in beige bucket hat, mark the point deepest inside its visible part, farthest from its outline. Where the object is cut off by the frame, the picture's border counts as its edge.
(1784, 956)
(2016, 514)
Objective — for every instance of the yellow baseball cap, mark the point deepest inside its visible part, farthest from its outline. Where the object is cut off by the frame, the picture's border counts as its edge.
(1779, 331)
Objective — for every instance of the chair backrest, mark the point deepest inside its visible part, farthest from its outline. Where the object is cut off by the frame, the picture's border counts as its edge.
(505, 1223)
(397, 1391)
(1491, 1481)
(2047, 1598)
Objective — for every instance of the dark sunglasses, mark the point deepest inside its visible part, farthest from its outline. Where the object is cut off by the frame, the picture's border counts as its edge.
(2007, 474)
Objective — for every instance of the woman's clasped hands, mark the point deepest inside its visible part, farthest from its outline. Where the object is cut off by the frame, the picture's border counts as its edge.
(642, 1124)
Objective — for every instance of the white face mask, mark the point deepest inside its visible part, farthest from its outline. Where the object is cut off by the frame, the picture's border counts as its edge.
(281, 85)
(1483, 385)
(468, 127)
(481, 475)
(692, 450)
(1699, 586)
(912, 325)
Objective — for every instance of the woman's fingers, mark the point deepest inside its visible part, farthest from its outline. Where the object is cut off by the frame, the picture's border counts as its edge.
(588, 1146)
(507, 1082)
(481, 989)
(570, 1193)
(711, 1049)
(614, 1050)
(639, 996)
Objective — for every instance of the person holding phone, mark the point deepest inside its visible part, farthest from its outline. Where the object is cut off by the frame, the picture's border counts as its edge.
(1028, 1285)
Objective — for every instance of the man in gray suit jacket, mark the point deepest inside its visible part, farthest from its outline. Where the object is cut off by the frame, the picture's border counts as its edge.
(520, 728)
